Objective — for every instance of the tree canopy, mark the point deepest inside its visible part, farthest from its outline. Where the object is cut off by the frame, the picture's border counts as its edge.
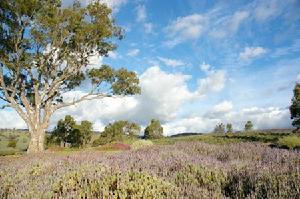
(154, 130)
(45, 52)
(295, 108)
(248, 126)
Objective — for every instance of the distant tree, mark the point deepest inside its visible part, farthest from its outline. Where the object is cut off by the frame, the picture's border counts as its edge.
(45, 51)
(67, 131)
(81, 134)
(64, 128)
(295, 108)
(229, 128)
(117, 131)
(219, 128)
(154, 130)
(248, 126)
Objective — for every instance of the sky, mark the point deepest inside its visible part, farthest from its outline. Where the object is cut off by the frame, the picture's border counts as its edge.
(199, 63)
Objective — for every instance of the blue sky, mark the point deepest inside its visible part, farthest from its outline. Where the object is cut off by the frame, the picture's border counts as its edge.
(202, 62)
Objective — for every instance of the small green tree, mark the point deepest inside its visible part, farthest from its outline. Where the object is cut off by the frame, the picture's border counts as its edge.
(248, 126)
(117, 131)
(295, 108)
(64, 128)
(154, 130)
(229, 128)
(81, 134)
(67, 131)
(219, 128)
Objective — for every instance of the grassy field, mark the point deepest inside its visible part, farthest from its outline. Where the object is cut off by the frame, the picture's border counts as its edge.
(275, 138)
(242, 165)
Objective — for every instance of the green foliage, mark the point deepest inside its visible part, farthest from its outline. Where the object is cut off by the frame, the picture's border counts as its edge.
(295, 108)
(117, 131)
(64, 128)
(229, 128)
(118, 185)
(248, 126)
(219, 128)
(141, 144)
(154, 130)
(292, 142)
(45, 49)
(211, 181)
(247, 183)
(12, 143)
(67, 131)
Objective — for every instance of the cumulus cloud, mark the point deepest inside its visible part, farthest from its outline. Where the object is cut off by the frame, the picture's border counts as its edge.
(196, 124)
(252, 52)
(10, 119)
(185, 28)
(171, 62)
(223, 107)
(133, 52)
(205, 67)
(215, 81)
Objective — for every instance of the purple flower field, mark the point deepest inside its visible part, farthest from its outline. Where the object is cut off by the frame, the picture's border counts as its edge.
(182, 170)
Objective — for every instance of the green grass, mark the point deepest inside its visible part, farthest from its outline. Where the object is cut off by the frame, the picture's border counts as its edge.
(291, 142)
(22, 139)
(281, 139)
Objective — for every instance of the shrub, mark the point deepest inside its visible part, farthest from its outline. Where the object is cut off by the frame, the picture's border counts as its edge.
(12, 143)
(141, 144)
(154, 130)
(211, 181)
(292, 142)
(118, 185)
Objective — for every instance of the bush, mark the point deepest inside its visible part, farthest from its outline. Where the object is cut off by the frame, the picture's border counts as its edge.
(210, 181)
(117, 185)
(12, 143)
(154, 130)
(141, 144)
(291, 142)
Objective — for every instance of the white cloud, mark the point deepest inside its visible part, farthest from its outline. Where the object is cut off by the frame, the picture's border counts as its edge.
(10, 119)
(215, 81)
(205, 67)
(133, 52)
(228, 25)
(190, 125)
(171, 62)
(148, 27)
(113, 55)
(267, 9)
(141, 13)
(298, 78)
(185, 28)
(114, 4)
(252, 52)
(223, 107)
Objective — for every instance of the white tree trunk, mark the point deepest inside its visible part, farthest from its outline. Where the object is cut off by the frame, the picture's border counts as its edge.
(37, 140)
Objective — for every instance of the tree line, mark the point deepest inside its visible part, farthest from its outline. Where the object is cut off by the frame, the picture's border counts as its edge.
(69, 133)
(221, 128)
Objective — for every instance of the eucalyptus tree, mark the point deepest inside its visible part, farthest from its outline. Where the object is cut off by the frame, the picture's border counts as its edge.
(295, 108)
(45, 51)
